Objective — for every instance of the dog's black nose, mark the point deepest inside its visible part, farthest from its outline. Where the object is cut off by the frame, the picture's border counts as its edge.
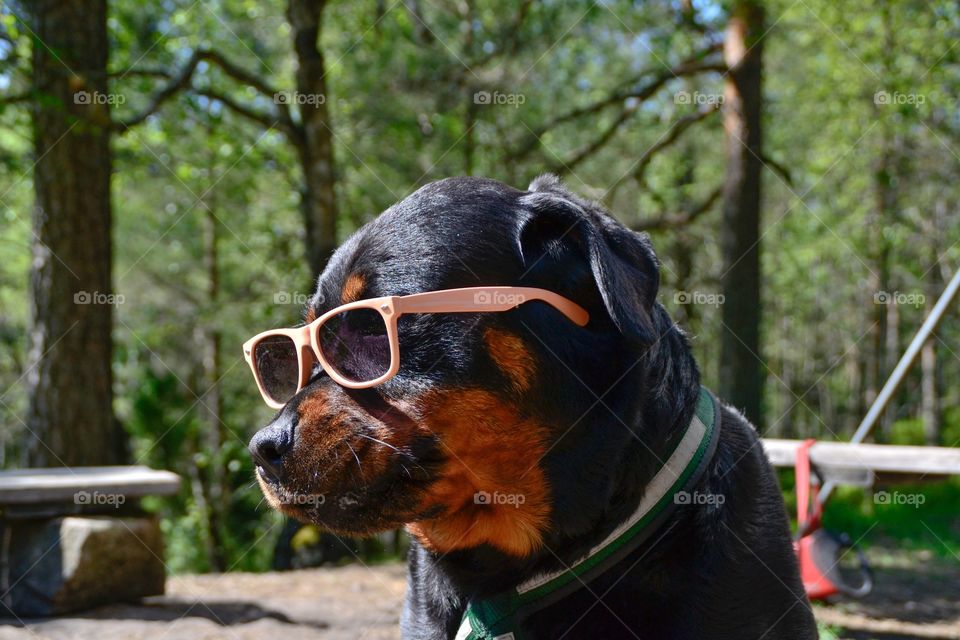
(270, 444)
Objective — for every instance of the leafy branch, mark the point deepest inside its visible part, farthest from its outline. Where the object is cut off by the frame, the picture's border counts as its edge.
(640, 88)
(680, 219)
(183, 81)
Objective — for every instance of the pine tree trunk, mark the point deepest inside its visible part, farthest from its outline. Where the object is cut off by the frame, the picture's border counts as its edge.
(930, 384)
(891, 355)
(741, 367)
(70, 413)
(318, 201)
(214, 480)
(930, 407)
(884, 216)
(683, 243)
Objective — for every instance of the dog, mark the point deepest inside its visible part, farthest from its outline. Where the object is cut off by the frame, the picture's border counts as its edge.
(558, 478)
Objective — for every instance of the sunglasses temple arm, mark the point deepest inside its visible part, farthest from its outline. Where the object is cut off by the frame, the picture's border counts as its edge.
(480, 300)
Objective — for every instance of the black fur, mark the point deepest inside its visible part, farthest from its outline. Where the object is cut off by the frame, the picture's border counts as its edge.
(619, 390)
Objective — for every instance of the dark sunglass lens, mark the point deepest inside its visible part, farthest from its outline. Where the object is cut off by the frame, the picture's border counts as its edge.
(277, 366)
(356, 345)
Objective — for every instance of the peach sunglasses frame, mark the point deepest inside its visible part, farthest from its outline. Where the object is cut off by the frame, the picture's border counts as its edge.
(465, 300)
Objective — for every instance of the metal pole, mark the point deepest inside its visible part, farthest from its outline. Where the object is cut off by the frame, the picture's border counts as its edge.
(906, 361)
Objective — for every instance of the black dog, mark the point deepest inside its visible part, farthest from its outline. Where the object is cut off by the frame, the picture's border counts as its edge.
(514, 445)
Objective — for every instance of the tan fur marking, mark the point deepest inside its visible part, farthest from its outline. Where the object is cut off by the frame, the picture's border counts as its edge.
(493, 450)
(352, 288)
(512, 356)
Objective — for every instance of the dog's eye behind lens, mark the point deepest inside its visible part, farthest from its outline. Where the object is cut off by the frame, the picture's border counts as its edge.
(355, 343)
(276, 358)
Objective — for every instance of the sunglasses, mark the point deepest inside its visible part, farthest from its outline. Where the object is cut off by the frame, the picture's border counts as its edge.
(357, 344)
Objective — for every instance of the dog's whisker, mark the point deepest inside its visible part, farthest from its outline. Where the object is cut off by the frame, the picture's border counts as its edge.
(355, 456)
(377, 440)
(390, 446)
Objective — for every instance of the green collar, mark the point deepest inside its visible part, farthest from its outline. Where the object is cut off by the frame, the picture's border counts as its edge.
(501, 617)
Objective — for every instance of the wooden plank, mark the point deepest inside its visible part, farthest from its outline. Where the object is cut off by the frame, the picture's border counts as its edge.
(26, 486)
(879, 458)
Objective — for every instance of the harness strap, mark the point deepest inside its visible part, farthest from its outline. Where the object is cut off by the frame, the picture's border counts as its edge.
(501, 617)
(808, 517)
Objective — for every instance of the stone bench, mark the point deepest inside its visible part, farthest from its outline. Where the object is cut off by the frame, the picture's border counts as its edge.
(74, 538)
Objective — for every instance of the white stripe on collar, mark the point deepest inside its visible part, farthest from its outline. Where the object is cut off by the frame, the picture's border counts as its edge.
(656, 490)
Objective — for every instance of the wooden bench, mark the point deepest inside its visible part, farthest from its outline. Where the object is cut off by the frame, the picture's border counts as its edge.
(26, 489)
(73, 538)
(865, 464)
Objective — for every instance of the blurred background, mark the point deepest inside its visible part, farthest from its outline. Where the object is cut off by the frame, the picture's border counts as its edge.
(174, 175)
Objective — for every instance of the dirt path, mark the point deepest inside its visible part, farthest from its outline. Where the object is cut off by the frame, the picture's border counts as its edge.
(917, 596)
(345, 603)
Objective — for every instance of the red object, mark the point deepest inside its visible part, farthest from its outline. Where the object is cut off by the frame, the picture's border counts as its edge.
(817, 585)
(818, 550)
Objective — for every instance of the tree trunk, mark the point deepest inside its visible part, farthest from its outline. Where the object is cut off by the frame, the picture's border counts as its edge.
(891, 355)
(469, 141)
(683, 243)
(886, 320)
(214, 481)
(931, 403)
(785, 425)
(879, 279)
(741, 374)
(470, 115)
(930, 385)
(69, 380)
(315, 144)
(313, 139)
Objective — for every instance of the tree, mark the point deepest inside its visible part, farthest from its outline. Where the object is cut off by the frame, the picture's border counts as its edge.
(741, 373)
(69, 378)
(314, 139)
(310, 134)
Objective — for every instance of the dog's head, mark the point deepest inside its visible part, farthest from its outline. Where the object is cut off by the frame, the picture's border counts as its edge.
(499, 429)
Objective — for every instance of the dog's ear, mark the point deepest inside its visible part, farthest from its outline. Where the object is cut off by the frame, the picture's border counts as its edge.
(623, 267)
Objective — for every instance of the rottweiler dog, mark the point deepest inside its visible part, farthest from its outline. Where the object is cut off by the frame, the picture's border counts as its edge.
(519, 446)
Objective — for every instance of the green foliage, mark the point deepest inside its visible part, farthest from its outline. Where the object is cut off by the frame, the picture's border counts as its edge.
(928, 520)
(828, 632)
(924, 516)
(404, 113)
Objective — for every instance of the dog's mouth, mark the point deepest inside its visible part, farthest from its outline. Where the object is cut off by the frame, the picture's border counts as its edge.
(359, 486)
(458, 469)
